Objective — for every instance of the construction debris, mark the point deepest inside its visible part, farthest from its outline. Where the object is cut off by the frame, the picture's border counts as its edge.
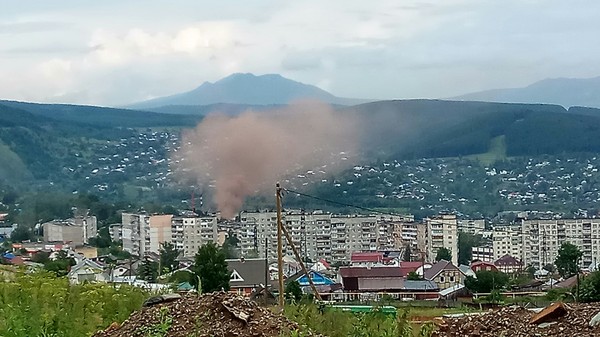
(218, 314)
(549, 314)
(574, 321)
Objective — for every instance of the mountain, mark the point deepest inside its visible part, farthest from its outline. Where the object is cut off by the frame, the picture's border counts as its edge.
(562, 91)
(436, 128)
(271, 89)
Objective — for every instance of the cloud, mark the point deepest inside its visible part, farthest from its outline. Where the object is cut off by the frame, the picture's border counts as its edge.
(31, 27)
(380, 49)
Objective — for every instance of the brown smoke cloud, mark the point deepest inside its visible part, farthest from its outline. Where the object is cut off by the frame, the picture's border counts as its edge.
(247, 154)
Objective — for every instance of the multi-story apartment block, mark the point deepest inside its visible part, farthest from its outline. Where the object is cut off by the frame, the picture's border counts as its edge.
(316, 234)
(77, 230)
(135, 231)
(483, 253)
(543, 238)
(190, 233)
(441, 232)
(507, 240)
(471, 226)
(142, 233)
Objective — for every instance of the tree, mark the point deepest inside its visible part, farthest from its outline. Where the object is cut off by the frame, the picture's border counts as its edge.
(168, 257)
(148, 270)
(211, 268)
(41, 257)
(486, 281)
(20, 234)
(567, 262)
(61, 265)
(590, 288)
(549, 268)
(407, 254)
(443, 254)
(466, 242)
(293, 292)
(413, 276)
(230, 246)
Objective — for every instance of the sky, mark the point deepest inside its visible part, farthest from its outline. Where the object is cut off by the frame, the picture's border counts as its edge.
(115, 52)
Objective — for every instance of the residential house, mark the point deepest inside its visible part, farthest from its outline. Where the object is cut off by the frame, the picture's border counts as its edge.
(509, 265)
(366, 279)
(87, 270)
(467, 270)
(247, 275)
(481, 265)
(444, 274)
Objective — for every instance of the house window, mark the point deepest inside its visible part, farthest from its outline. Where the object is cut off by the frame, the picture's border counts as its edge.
(441, 279)
(451, 278)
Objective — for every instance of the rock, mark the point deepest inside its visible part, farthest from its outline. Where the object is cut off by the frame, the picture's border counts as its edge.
(595, 321)
(161, 299)
(549, 313)
(545, 325)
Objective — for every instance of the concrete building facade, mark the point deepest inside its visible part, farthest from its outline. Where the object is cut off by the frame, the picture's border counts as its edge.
(542, 240)
(441, 232)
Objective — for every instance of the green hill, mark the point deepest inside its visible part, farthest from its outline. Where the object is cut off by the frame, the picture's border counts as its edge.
(102, 116)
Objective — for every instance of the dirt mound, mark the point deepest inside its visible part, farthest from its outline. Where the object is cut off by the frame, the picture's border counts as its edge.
(215, 314)
(515, 322)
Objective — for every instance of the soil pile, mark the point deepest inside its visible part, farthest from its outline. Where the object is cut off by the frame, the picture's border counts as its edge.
(216, 314)
(516, 322)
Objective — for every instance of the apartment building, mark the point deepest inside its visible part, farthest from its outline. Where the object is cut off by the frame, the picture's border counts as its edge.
(135, 233)
(333, 237)
(76, 231)
(310, 232)
(507, 240)
(188, 234)
(441, 231)
(143, 233)
(471, 226)
(542, 239)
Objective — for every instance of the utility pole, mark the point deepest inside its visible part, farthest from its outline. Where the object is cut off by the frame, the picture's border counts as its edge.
(266, 269)
(279, 246)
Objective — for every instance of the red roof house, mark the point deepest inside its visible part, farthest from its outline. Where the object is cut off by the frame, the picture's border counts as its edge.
(508, 264)
(482, 265)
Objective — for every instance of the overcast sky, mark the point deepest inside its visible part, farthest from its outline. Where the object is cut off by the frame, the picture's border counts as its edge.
(113, 52)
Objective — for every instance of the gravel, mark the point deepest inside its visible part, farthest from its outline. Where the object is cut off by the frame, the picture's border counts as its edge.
(514, 322)
(217, 314)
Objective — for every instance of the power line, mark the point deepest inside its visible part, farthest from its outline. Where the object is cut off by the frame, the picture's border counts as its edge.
(343, 204)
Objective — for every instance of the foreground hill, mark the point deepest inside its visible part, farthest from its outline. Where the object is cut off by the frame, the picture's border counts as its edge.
(562, 91)
(249, 89)
(102, 116)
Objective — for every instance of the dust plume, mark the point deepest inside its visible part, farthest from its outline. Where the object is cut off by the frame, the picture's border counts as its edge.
(247, 154)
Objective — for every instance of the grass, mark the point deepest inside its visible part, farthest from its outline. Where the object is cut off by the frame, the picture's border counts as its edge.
(496, 152)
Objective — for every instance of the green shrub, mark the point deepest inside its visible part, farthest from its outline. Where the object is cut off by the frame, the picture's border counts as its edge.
(40, 304)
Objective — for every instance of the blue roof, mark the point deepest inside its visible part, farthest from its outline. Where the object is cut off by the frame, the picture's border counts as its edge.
(317, 278)
(9, 256)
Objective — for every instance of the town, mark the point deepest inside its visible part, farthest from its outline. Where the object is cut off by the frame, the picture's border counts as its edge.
(351, 256)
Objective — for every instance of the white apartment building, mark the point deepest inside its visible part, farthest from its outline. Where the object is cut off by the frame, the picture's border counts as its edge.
(441, 231)
(188, 234)
(507, 240)
(310, 232)
(142, 233)
(471, 226)
(322, 235)
(543, 238)
(482, 253)
(134, 233)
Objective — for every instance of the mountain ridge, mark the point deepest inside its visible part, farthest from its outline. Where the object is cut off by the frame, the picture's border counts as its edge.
(249, 89)
(567, 92)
